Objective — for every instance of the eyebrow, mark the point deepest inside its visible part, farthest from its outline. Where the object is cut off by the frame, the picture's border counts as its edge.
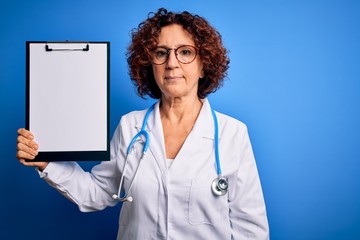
(179, 45)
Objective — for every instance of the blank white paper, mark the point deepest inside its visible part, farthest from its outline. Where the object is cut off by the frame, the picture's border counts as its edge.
(68, 97)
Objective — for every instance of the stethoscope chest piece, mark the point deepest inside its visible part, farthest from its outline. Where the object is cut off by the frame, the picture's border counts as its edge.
(220, 186)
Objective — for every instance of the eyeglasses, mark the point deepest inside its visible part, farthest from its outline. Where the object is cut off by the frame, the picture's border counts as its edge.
(185, 54)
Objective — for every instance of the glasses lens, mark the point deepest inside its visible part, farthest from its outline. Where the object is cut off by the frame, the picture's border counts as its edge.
(160, 55)
(186, 54)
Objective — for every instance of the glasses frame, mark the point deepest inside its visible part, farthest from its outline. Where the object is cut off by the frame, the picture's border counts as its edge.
(176, 54)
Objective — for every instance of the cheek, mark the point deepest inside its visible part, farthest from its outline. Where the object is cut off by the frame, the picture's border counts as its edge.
(158, 72)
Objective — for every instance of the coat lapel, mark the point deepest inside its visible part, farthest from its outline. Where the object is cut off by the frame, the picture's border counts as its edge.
(196, 145)
(156, 144)
(201, 136)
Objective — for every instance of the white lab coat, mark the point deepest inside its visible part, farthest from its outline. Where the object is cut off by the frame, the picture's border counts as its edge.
(176, 202)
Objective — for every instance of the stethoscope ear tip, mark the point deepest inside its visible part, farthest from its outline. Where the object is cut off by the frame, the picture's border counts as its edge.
(125, 199)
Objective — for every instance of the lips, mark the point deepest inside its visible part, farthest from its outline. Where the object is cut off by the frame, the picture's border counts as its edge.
(172, 77)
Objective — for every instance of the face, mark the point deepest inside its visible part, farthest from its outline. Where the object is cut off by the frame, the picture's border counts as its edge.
(176, 79)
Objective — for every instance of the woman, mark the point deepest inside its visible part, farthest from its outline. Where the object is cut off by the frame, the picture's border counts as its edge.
(179, 59)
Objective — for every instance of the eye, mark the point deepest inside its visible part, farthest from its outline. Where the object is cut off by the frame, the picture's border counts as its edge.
(186, 51)
(160, 53)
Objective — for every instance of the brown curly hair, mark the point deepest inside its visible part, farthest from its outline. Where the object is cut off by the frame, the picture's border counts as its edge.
(207, 39)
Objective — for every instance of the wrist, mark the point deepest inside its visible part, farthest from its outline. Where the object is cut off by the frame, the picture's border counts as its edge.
(41, 167)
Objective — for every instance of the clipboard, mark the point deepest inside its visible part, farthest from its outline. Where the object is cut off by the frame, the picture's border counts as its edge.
(67, 99)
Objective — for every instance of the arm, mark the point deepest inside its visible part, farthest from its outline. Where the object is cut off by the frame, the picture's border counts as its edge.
(247, 207)
(90, 191)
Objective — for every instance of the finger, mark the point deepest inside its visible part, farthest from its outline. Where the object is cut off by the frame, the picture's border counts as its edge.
(23, 155)
(28, 146)
(40, 165)
(25, 151)
(26, 133)
(27, 142)
(28, 163)
(25, 163)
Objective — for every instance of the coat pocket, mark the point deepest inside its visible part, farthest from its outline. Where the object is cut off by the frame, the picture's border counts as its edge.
(204, 206)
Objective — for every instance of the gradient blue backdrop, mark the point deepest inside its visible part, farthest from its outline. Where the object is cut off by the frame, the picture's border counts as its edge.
(294, 80)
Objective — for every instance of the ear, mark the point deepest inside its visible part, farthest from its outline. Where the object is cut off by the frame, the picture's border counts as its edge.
(202, 74)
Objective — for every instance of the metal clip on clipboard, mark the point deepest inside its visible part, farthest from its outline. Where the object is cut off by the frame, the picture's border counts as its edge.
(48, 49)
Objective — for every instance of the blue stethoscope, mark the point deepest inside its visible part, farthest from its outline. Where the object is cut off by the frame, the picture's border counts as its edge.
(219, 185)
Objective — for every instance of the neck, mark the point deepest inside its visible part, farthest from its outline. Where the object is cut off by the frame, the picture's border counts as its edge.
(178, 117)
(179, 109)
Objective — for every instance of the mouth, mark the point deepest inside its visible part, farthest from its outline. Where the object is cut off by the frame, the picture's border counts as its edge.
(172, 77)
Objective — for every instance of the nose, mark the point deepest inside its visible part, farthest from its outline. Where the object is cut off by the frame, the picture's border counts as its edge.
(172, 61)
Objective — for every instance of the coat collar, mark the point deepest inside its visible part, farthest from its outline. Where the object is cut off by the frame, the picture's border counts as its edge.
(204, 125)
(203, 130)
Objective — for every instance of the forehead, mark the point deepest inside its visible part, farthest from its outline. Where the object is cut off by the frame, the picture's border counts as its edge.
(174, 35)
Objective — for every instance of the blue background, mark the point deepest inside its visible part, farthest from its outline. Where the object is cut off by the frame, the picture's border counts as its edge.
(293, 79)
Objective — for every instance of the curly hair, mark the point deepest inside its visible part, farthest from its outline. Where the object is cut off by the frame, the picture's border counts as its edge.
(207, 39)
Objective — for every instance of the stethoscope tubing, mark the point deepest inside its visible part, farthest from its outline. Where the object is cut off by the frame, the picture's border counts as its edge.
(145, 148)
(216, 143)
(142, 132)
(217, 189)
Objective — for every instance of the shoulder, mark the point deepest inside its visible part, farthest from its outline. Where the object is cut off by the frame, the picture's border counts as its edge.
(133, 117)
(231, 130)
(130, 122)
(228, 122)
